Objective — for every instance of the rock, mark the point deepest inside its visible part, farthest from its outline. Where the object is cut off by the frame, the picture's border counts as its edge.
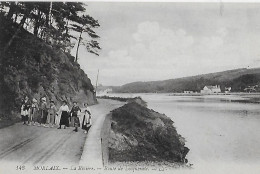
(141, 134)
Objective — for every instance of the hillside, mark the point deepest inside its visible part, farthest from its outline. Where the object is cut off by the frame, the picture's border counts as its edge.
(34, 68)
(238, 79)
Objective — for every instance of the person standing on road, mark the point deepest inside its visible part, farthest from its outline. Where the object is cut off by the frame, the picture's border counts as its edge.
(33, 112)
(74, 113)
(87, 122)
(43, 112)
(57, 119)
(25, 110)
(64, 111)
(52, 114)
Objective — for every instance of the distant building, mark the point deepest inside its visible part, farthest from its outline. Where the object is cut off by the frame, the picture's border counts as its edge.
(188, 92)
(251, 88)
(211, 89)
(104, 92)
(227, 89)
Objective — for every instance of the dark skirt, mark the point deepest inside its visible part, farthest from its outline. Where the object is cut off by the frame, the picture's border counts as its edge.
(44, 116)
(64, 119)
(25, 118)
(86, 124)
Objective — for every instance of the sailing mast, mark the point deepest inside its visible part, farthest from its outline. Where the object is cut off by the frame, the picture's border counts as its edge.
(97, 80)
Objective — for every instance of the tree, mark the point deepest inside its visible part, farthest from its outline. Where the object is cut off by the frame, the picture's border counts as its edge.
(25, 10)
(85, 25)
(53, 22)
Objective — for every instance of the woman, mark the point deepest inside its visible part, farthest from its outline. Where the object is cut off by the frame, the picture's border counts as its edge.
(86, 123)
(25, 110)
(33, 112)
(52, 113)
(64, 111)
(43, 112)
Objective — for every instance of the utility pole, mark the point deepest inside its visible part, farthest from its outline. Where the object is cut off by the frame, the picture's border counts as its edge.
(97, 80)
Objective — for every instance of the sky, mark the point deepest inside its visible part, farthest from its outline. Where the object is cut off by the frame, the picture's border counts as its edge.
(164, 40)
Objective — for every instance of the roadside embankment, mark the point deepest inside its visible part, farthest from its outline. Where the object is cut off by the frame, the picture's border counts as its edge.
(134, 133)
(92, 148)
(33, 68)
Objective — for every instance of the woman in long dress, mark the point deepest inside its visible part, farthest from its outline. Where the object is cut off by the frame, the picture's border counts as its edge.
(25, 111)
(43, 112)
(64, 111)
(52, 114)
(87, 122)
(33, 112)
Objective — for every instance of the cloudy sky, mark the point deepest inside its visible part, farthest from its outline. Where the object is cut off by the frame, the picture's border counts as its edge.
(158, 41)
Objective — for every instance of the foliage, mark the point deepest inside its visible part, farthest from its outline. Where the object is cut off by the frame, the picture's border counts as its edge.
(33, 68)
(237, 79)
(54, 22)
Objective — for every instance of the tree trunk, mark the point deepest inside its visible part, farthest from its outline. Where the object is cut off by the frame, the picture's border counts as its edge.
(67, 25)
(16, 32)
(11, 11)
(77, 52)
(16, 15)
(41, 33)
(47, 28)
(37, 25)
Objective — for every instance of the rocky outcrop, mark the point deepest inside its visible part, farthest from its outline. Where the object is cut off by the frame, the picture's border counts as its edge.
(36, 69)
(136, 133)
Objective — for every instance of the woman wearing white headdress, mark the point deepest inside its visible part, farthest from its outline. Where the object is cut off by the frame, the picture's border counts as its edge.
(43, 112)
(33, 111)
(25, 110)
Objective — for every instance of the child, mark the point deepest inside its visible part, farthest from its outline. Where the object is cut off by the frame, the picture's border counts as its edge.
(52, 113)
(86, 123)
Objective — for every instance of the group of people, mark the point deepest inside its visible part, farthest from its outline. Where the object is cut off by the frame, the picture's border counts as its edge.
(41, 114)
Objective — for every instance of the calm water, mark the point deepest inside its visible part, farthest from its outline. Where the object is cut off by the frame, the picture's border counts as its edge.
(217, 130)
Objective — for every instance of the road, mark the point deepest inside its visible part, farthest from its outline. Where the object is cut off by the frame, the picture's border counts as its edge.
(38, 145)
(41, 146)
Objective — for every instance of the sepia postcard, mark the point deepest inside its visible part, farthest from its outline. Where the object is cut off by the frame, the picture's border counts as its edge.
(130, 87)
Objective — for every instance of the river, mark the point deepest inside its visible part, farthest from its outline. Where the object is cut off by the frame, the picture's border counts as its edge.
(222, 132)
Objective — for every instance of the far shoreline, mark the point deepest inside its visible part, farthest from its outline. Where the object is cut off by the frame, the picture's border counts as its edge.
(182, 94)
(253, 98)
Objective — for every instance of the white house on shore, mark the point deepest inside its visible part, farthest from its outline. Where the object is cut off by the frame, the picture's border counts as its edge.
(211, 89)
(104, 92)
(227, 89)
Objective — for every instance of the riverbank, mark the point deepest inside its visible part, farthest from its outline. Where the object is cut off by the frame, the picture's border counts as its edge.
(221, 131)
(214, 94)
(92, 148)
(136, 136)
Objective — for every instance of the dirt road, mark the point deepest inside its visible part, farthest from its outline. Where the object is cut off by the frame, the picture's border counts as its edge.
(40, 146)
